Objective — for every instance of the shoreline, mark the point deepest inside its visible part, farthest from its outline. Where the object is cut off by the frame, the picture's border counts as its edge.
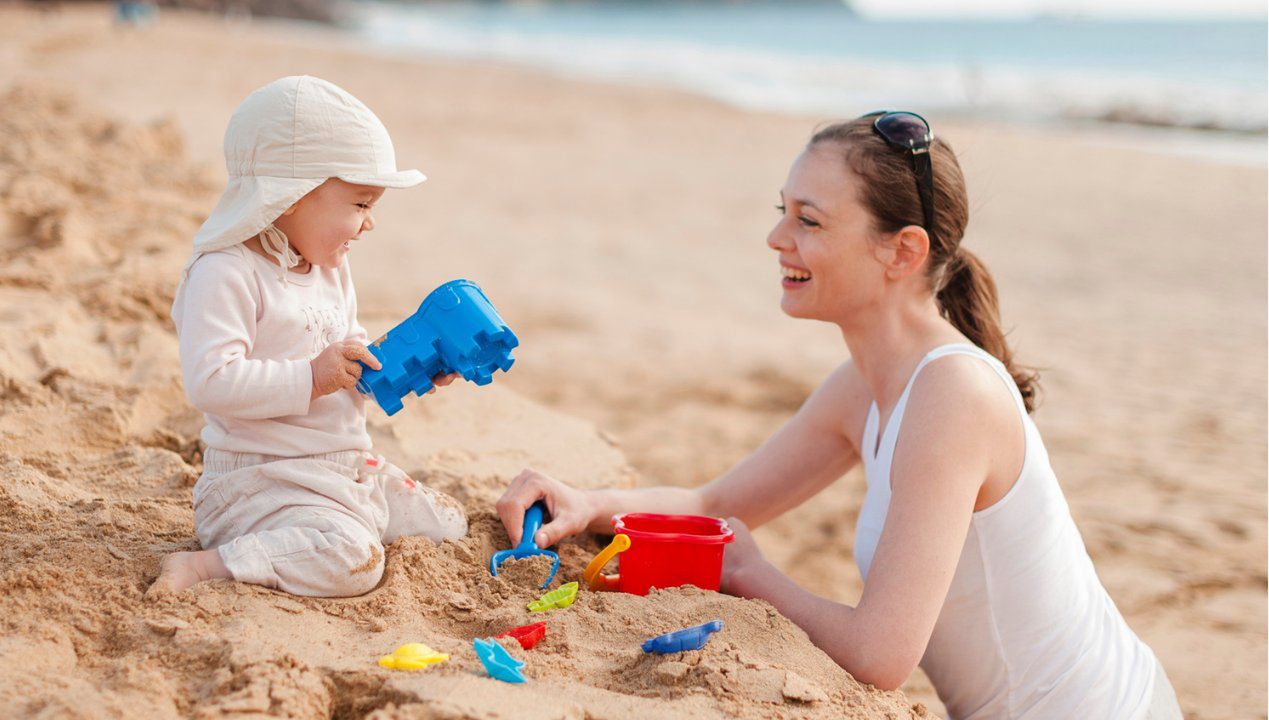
(1118, 128)
(752, 77)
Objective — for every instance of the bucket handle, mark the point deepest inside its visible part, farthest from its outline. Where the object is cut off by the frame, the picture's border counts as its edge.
(596, 580)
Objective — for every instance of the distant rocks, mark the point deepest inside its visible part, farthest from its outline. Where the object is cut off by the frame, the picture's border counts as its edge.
(322, 11)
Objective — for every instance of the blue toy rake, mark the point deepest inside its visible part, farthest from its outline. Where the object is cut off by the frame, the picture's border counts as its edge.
(528, 547)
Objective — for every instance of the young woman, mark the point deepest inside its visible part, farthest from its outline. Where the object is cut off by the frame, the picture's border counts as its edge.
(972, 565)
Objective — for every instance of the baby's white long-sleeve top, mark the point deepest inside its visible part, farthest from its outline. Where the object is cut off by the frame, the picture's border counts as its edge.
(246, 340)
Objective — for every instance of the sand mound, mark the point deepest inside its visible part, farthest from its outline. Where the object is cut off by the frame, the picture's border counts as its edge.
(99, 450)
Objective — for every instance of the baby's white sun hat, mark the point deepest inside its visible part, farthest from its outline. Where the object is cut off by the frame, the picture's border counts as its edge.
(283, 141)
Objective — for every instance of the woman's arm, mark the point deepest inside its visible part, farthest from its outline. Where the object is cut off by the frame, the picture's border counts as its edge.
(809, 452)
(952, 431)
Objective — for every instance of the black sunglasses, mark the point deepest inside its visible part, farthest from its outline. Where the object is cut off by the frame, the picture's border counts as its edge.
(911, 133)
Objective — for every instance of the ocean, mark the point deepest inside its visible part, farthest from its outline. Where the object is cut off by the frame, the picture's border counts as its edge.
(1147, 76)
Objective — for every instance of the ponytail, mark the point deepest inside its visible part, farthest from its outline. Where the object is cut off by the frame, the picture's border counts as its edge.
(967, 299)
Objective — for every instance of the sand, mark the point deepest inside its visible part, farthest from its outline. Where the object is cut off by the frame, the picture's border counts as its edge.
(620, 232)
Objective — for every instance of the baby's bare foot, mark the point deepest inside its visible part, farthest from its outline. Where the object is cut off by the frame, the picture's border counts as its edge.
(181, 570)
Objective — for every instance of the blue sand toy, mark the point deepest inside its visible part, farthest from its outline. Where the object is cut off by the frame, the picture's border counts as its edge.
(693, 638)
(455, 330)
(497, 661)
(528, 547)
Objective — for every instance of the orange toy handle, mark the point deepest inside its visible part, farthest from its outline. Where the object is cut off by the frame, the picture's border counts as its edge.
(598, 581)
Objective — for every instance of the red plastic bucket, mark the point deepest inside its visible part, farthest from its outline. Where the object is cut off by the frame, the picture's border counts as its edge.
(670, 550)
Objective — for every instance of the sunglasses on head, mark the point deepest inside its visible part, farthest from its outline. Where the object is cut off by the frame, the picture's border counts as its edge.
(911, 133)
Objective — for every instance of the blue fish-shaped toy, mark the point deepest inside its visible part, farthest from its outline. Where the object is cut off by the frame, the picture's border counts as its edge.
(693, 638)
(497, 661)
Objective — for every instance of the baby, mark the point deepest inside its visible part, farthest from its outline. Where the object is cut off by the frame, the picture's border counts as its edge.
(290, 496)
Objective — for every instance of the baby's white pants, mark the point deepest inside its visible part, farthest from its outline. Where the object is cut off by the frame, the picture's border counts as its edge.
(314, 525)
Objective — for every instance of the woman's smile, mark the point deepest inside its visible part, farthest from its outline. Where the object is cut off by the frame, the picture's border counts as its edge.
(793, 277)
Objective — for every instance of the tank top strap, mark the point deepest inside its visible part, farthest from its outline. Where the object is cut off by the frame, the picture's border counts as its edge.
(875, 437)
(869, 442)
(992, 361)
(881, 437)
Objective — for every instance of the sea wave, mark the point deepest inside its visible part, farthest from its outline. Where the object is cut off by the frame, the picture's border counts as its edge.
(840, 86)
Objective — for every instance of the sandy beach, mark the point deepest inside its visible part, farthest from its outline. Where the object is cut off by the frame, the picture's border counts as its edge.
(620, 231)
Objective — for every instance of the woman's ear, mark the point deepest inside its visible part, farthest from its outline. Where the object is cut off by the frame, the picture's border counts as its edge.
(909, 249)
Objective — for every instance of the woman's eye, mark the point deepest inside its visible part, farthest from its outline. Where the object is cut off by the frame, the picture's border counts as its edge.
(364, 206)
(780, 209)
(808, 222)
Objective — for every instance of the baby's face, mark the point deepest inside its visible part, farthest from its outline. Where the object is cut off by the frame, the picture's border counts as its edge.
(324, 223)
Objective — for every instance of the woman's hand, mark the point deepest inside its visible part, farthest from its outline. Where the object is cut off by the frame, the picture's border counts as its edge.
(570, 509)
(741, 557)
(338, 367)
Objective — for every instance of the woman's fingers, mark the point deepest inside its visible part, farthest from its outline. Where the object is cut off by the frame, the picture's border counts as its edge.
(560, 527)
(744, 542)
(566, 508)
(523, 491)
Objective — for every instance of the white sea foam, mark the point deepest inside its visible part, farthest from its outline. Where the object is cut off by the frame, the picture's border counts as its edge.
(801, 80)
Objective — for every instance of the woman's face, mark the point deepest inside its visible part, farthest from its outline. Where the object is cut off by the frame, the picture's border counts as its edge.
(324, 223)
(828, 268)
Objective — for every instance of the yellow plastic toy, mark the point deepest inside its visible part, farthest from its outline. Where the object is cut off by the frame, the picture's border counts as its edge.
(596, 580)
(561, 597)
(412, 656)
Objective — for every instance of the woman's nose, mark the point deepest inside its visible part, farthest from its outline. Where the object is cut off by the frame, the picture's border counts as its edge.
(368, 223)
(778, 239)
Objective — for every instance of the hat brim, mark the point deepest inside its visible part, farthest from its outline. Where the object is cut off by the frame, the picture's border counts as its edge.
(398, 179)
(247, 206)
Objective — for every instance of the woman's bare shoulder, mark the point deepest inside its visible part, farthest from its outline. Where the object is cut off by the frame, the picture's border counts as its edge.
(956, 388)
(966, 381)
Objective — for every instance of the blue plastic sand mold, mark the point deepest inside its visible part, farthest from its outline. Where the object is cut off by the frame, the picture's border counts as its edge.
(497, 661)
(528, 547)
(693, 638)
(455, 330)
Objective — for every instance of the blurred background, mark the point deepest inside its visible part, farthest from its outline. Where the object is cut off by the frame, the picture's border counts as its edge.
(1170, 64)
(1158, 65)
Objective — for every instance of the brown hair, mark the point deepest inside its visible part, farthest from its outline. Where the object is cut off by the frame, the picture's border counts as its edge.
(963, 288)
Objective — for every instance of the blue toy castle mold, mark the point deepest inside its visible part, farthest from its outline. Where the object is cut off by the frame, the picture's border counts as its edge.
(455, 330)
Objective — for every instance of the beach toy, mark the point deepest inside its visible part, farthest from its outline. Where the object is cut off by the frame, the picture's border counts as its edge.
(527, 547)
(412, 656)
(664, 551)
(527, 635)
(455, 330)
(595, 580)
(559, 598)
(497, 661)
(693, 638)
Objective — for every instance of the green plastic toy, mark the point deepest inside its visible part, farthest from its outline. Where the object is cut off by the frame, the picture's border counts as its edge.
(559, 598)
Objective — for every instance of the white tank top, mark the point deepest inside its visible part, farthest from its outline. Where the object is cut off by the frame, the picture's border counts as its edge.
(1027, 630)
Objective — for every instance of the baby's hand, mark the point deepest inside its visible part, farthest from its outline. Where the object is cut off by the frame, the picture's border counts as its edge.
(337, 367)
(442, 381)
